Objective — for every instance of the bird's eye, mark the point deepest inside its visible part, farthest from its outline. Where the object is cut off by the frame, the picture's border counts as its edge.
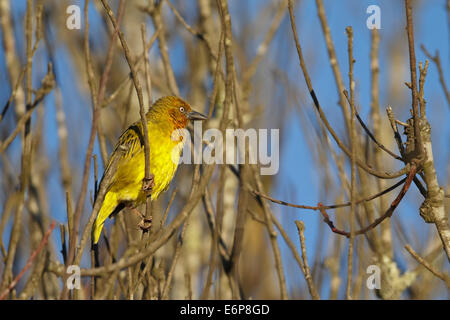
(182, 109)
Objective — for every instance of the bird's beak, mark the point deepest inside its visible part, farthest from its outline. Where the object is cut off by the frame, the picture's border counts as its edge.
(194, 115)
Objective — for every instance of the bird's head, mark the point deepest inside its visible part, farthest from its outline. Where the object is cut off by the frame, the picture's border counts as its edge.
(175, 110)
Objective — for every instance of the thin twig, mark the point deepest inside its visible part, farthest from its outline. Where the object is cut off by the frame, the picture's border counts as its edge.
(428, 266)
(437, 61)
(371, 136)
(332, 206)
(419, 153)
(377, 221)
(353, 143)
(308, 277)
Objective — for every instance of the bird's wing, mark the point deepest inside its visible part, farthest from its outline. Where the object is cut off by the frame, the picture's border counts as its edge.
(129, 143)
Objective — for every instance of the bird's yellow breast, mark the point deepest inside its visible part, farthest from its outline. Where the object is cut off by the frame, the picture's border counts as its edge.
(165, 152)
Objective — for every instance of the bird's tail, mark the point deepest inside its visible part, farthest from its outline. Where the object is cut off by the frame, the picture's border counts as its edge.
(108, 206)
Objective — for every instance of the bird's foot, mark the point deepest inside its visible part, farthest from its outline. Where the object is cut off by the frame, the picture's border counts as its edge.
(148, 184)
(145, 224)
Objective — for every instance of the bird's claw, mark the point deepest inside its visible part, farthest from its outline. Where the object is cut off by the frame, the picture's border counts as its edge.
(145, 224)
(148, 184)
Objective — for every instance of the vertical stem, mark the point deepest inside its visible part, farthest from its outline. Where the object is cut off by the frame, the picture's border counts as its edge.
(353, 163)
(385, 226)
(143, 118)
(412, 65)
(307, 271)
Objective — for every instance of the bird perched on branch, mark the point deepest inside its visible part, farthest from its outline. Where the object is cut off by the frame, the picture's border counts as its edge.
(165, 120)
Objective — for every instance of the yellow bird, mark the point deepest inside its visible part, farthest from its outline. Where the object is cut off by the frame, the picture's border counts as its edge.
(165, 120)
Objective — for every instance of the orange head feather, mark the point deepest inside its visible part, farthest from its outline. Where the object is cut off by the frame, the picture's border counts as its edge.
(175, 111)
